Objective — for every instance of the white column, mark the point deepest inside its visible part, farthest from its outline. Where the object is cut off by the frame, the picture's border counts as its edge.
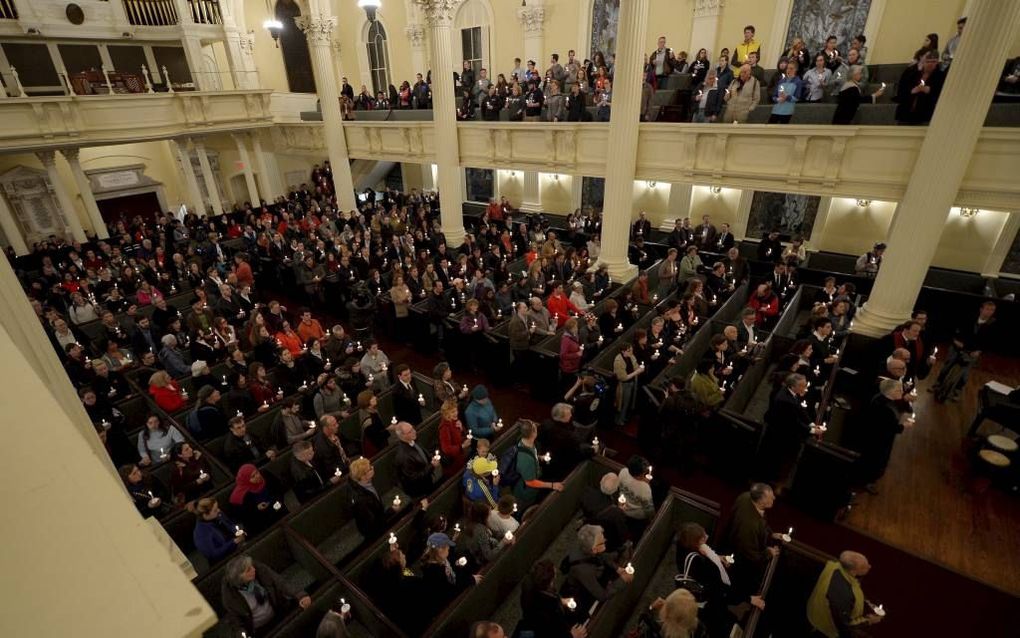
(937, 175)
(249, 176)
(211, 188)
(623, 139)
(235, 60)
(774, 41)
(10, 227)
(703, 28)
(267, 187)
(993, 265)
(416, 37)
(875, 14)
(679, 205)
(439, 18)
(531, 196)
(155, 72)
(318, 26)
(49, 160)
(532, 19)
(191, 189)
(576, 195)
(743, 213)
(194, 57)
(85, 189)
(428, 177)
(58, 64)
(818, 229)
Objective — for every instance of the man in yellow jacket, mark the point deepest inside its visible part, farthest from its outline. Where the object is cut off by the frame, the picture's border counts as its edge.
(836, 606)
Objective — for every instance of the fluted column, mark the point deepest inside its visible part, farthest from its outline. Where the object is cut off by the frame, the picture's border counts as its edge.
(191, 189)
(941, 165)
(87, 198)
(249, 175)
(318, 26)
(264, 177)
(704, 27)
(679, 205)
(532, 19)
(439, 18)
(49, 161)
(211, 188)
(11, 229)
(623, 139)
(416, 37)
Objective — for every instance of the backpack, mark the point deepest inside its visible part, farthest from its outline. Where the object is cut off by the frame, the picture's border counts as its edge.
(509, 475)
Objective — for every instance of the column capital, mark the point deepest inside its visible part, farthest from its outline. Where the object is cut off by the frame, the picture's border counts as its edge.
(531, 19)
(708, 8)
(70, 154)
(48, 158)
(318, 29)
(415, 35)
(438, 12)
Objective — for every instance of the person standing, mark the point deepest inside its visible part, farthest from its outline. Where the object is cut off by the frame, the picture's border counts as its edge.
(968, 344)
(882, 421)
(788, 93)
(748, 536)
(836, 605)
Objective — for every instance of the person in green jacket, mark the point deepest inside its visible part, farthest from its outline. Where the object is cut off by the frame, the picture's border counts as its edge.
(836, 606)
(526, 490)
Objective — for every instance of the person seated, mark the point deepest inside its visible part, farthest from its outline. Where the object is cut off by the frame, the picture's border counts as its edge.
(601, 506)
(477, 541)
(480, 415)
(443, 580)
(215, 535)
(148, 494)
(676, 615)
(371, 515)
(704, 387)
(307, 481)
(241, 447)
(543, 612)
(257, 504)
(334, 623)
(501, 520)
(156, 441)
(635, 485)
(191, 474)
(592, 573)
(697, 561)
(765, 304)
(206, 420)
(253, 595)
(166, 392)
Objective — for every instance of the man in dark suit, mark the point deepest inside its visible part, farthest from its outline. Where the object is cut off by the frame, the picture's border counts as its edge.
(748, 536)
(705, 234)
(417, 470)
(747, 336)
(308, 483)
(642, 227)
(770, 248)
(681, 234)
(883, 419)
(406, 406)
(724, 240)
(240, 446)
(822, 352)
(787, 424)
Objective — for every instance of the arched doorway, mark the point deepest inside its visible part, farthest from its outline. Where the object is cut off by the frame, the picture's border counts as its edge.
(294, 47)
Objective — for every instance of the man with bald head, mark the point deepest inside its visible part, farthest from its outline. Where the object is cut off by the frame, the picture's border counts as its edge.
(837, 606)
(885, 417)
(418, 470)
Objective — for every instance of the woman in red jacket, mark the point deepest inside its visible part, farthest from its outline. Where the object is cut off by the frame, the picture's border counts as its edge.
(452, 443)
(764, 303)
(166, 393)
(560, 306)
(570, 353)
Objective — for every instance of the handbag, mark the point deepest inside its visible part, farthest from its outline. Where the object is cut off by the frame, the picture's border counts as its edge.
(684, 581)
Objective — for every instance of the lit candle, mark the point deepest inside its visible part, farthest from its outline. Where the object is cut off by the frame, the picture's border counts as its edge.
(547, 457)
(499, 424)
(601, 339)
(338, 473)
(648, 475)
(345, 607)
(462, 561)
(470, 436)
(730, 559)
(396, 501)
(629, 569)
(277, 506)
(515, 508)
(495, 475)
(456, 528)
(238, 531)
(595, 442)
(464, 388)
(571, 604)
(393, 539)
(879, 611)
(393, 421)
(304, 386)
(788, 535)
(265, 403)
(224, 376)
(202, 475)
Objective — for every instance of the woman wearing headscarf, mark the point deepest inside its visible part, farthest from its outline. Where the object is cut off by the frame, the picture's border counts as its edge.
(256, 504)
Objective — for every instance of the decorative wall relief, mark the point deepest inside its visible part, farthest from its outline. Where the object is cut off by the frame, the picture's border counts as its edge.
(791, 215)
(605, 21)
(593, 192)
(815, 20)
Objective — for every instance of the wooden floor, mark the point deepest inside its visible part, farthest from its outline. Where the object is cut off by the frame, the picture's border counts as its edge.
(926, 505)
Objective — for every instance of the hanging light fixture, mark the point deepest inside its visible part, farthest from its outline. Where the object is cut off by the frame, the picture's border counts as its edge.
(370, 7)
(272, 24)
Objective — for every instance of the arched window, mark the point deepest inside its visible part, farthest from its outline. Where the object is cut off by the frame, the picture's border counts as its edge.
(296, 59)
(378, 57)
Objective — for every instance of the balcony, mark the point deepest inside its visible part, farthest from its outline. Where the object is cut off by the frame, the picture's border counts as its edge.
(40, 123)
(7, 10)
(163, 13)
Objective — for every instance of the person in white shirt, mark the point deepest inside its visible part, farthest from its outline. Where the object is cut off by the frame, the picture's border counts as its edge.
(636, 487)
(501, 520)
(577, 297)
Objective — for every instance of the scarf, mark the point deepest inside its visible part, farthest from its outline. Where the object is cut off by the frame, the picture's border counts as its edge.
(257, 590)
(710, 554)
(244, 484)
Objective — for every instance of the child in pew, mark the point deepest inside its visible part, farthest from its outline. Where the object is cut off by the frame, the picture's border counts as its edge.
(501, 520)
(477, 541)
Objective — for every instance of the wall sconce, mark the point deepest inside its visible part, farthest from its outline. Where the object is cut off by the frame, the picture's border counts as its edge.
(716, 190)
(556, 176)
(863, 203)
(651, 185)
(967, 213)
(513, 173)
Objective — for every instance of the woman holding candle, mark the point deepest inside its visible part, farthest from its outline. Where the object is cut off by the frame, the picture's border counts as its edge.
(477, 540)
(191, 474)
(443, 579)
(257, 505)
(375, 435)
(148, 493)
(156, 440)
(444, 387)
(627, 369)
(543, 612)
(215, 535)
(480, 414)
(452, 442)
(166, 392)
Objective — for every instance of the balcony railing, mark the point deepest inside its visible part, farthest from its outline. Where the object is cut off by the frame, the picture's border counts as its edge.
(7, 10)
(163, 13)
(150, 13)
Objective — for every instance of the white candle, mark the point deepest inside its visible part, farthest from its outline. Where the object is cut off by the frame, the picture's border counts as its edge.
(622, 500)
(437, 457)
(265, 403)
(338, 473)
(393, 421)
(495, 474)
(238, 531)
(571, 604)
(499, 424)
(595, 442)
(345, 608)
(202, 475)
(277, 506)
(461, 561)
(730, 559)
(509, 535)
(456, 528)
(515, 508)
(547, 457)
(396, 501)
(879, 611)
(464, 388)
(629, 569)
(470, 436)
(393, 539)
(421, 399)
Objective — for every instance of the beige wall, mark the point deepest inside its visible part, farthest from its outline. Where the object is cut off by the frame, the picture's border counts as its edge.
(737, 14)
(966, 242)
(555, 192)
(653, 201)
(721, 207)
(511, 186)
(851, 229)
(904, 25)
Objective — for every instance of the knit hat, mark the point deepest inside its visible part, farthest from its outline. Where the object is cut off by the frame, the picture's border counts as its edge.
(205, 392)
(197, 367)
(479, 392)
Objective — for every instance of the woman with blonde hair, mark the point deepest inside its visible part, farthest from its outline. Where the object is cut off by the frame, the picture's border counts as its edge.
(452, 442)
(166, 392)
(676, 616)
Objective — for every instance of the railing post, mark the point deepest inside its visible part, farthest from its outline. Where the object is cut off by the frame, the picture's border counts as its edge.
(17, 83)
(106, 75)
(166, 77)
(148, 80)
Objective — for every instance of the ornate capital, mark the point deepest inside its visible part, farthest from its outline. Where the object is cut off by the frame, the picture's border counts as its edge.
(531, 19)
(71, 154)
(438, 12)
(48, 158)
(707, 8)
(247, 43)
(415, 34)
(318, 29)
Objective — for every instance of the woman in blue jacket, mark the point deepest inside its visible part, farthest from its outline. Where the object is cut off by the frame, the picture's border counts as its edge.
(215, 535)
(480, 415)
(789, 91)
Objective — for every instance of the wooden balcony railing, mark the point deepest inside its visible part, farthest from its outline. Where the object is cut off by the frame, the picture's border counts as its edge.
(150, 13)
(7, 10)
(206, 11)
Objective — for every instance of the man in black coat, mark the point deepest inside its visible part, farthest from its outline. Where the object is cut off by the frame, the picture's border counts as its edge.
(405, 396)
(566, 449)
(883, 419)
(419, 472)
(308, 482)
(253, 595)
(370, 514)
(329, 453)
(787, 424)
(749, 538)
(241, 447)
